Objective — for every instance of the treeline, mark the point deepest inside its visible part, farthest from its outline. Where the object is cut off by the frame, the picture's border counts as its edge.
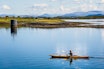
(58, 17)
(81, 17)
(15, 17)
(28, 17)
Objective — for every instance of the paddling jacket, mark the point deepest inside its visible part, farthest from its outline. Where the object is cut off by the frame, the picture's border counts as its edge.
(71, 54)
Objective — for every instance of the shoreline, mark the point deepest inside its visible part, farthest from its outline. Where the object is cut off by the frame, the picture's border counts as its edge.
(55, 25)
(62, 25)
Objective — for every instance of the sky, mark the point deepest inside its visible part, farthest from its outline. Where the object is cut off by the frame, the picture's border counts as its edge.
(39, 7)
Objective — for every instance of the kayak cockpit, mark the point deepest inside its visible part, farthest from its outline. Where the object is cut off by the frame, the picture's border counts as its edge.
(67, 56)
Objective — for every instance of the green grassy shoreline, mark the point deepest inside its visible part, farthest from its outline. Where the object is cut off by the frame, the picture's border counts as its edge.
(32, 20)
(45, 23)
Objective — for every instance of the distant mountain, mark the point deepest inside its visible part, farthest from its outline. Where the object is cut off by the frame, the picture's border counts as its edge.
(96, 15)
(45, 15)
(89, 13)
(26, 15)
(75, 14)
(49, 15)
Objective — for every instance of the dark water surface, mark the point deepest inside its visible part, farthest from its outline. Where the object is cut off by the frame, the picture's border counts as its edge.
(29, 48)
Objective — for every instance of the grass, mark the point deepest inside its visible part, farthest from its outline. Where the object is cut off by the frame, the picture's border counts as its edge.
(31, 20)
(45, 23)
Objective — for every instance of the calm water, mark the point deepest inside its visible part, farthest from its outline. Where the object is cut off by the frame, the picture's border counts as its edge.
(29, 48)
(92, 21)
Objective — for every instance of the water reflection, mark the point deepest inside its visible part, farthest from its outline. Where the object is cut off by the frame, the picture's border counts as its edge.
(92, 21)
(13, 31)
(31, 48)
(70, 60)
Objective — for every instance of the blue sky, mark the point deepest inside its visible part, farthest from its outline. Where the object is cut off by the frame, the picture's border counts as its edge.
(38, 7)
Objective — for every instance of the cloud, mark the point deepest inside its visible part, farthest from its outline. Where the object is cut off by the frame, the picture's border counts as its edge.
(86, 7)
(89, 6)
(62, 8)
(102, 1)
(78, 1)
(65, 9)
(6, 7)
(53, 0)
(38, 9)
(40, 5)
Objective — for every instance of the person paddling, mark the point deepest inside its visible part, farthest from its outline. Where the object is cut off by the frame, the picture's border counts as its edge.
(71, 54)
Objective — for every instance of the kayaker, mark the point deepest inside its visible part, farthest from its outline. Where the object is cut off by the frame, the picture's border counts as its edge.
(71, 54)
